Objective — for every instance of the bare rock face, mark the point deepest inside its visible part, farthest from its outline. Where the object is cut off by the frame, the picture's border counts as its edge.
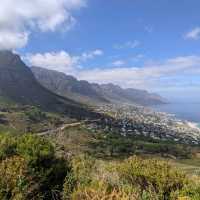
(131, 95)
(86, 92)
(68, 86)
(18, 83)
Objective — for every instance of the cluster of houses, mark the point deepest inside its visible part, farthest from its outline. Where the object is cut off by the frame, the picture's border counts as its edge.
(142, 121)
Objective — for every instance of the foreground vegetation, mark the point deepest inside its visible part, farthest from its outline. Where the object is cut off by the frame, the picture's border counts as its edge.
(22, 119)
(83, 162)
(31, 169)
(106, 145)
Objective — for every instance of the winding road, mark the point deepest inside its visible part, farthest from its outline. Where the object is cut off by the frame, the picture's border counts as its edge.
(64, 126)
(61, 128)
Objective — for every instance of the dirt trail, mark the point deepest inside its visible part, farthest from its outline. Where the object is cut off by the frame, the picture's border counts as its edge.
(64, 126)
(61, 128)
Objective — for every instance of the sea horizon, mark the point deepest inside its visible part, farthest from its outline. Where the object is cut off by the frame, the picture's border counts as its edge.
(189, 111)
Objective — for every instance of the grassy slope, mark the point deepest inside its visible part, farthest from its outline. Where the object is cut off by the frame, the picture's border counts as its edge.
(84, 139)
(80, 139)
(19, 120)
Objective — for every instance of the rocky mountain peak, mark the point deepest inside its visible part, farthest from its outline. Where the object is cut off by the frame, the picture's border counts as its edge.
(8, 59)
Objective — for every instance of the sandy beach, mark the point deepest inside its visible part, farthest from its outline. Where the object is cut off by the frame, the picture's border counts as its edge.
(193, 125)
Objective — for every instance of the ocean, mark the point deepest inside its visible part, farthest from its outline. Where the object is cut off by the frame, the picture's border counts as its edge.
(184, 111)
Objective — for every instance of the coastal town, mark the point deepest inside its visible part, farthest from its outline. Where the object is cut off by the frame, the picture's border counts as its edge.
(143, 121)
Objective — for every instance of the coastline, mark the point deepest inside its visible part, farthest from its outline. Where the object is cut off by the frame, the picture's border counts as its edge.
(184, 111)
(190, 117)
(193, 125)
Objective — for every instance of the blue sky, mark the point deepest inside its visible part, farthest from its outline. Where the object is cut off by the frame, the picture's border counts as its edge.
(147, 44)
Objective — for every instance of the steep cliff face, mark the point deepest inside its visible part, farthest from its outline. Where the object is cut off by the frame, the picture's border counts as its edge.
(86, 92)
(68, 86)
(18, 84)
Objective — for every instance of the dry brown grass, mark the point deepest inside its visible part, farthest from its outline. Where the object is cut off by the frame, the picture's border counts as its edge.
(92, 194)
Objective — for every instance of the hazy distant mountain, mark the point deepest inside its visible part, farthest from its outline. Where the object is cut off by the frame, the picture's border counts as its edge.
(116, 94)
(86, 92)
(18, 84)
(68, 86)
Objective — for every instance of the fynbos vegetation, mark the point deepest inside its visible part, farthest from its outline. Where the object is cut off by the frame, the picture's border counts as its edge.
(30, 169)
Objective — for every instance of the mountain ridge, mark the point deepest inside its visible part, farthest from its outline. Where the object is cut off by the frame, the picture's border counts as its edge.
(67, 86)
(18, 84)
(92, 93)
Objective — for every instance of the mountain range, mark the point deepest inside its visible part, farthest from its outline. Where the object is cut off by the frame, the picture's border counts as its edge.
(18, 85)
(91, 93)
(57, 92)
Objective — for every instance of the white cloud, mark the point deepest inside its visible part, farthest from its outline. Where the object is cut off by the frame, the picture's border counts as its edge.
(13, 40)
(90, 55)
(170, 74)
(137, 57)
(193, 34)
(129, 44)
(118, 63)
(18, 18)
(154, 76)
(61, 61)
(98, 52)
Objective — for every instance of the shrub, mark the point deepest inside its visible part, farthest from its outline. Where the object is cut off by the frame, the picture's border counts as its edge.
(80, 176)
(153, 175)
(48, 170)
(69, 186)
(14, 178)
(102, 193)
(191, 190)
(131, 179)
(101, 180)
(30, 159)
(7, 146)
(83, 166)
(36, 150)
(35, 114)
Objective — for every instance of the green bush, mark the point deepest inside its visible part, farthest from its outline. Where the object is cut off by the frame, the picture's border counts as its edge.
(81, 175)
(35, 115)
(7, 146)
(151, 175)
(191, 190)
(30, 169)
(35, 158)
(36, 150)
(176, 150)
(83, 166)
(69, 186)
(134, 178)
(14, 178)
(48, 170)
(101, 191)
(115, 145)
